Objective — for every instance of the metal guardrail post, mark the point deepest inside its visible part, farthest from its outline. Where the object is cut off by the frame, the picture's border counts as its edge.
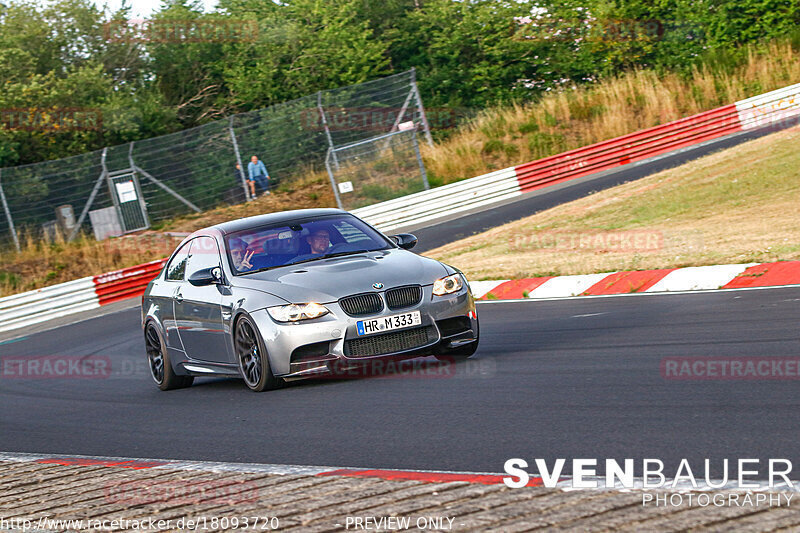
(111, 192)
(425, 125)
(333, 180)
(180, 198)
(327, 131)
(142, 203)
(8, 215)
(92, 196)
(403, 109)
(421, 163)
(239, 160)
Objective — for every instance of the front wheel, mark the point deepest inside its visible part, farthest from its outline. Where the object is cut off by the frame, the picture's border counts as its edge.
(252, 358)
(158, 360)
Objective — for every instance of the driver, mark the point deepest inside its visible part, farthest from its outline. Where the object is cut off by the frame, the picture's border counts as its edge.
(241, 257)
(319, 241)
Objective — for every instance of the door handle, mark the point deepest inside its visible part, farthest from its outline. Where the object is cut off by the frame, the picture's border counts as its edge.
(178, 296)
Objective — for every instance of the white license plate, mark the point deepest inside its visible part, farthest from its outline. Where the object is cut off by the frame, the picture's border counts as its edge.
(388, 323)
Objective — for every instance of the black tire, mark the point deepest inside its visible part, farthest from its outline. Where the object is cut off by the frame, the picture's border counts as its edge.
(158, 361)
(252, 357)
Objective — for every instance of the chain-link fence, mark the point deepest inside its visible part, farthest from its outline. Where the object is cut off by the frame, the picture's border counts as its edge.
(373, 170)
(129, 187)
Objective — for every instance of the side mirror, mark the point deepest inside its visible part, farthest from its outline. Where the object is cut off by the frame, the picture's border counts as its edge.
(406, 241)
(206, 276)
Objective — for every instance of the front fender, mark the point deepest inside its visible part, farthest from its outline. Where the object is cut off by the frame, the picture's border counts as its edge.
(252, 303)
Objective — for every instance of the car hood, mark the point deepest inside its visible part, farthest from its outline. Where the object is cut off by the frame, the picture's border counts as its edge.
(327, 280)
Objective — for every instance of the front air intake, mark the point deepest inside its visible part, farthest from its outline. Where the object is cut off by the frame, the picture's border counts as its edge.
(387, 343)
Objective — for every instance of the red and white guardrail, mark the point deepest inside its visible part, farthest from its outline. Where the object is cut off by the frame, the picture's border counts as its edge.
(40, 305)
(770, 109)
(773, 109)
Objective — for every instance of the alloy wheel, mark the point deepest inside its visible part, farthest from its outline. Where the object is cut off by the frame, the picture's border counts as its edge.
(248, 353)
(155, 356)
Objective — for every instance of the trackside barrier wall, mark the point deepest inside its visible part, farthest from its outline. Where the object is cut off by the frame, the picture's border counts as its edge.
(780, 108)
(442, 201)
(125, 283)
(32, 307)
(629, 148)
(29, 308)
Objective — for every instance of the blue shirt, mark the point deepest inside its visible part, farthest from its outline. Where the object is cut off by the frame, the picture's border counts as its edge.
(257, 169)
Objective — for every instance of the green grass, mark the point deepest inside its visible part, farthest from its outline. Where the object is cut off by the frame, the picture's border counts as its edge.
(734, 206)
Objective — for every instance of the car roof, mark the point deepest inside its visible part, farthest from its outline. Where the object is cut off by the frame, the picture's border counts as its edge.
(272, 218)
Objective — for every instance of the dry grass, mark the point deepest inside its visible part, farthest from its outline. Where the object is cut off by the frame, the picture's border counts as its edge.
(502, 137)
(734, 206)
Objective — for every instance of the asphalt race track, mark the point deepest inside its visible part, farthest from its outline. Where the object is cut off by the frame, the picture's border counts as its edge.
(576, 378)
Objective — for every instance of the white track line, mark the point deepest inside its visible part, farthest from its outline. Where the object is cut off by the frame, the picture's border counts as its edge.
(634, 294)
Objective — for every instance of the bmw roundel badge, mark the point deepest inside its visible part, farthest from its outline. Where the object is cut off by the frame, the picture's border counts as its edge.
(377, 286)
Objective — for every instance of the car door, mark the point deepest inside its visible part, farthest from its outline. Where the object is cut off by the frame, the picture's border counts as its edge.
(198, 310)
(174, 278)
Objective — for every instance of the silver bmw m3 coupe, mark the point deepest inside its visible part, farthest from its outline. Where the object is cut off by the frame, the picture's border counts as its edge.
(300, 294)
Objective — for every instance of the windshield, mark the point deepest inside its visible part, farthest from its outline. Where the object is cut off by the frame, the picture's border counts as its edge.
(268, 247)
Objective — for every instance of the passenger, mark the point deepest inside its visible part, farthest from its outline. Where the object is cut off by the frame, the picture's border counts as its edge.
(241, 257)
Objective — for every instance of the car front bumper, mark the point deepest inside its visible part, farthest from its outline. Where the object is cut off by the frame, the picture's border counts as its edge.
(311, 348)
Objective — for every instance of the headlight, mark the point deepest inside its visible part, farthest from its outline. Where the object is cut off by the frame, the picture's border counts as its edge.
(447, 285)
(295, 312)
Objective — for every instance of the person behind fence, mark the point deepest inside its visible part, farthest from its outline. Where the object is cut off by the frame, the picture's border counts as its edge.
(257, 173)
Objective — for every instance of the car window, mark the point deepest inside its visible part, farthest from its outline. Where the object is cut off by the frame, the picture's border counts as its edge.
(266, 247)
(203, 254)
(350, 233)
(177, 267)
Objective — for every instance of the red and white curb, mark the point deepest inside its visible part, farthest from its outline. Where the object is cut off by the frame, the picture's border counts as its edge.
(427, 476)
(749, 275)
